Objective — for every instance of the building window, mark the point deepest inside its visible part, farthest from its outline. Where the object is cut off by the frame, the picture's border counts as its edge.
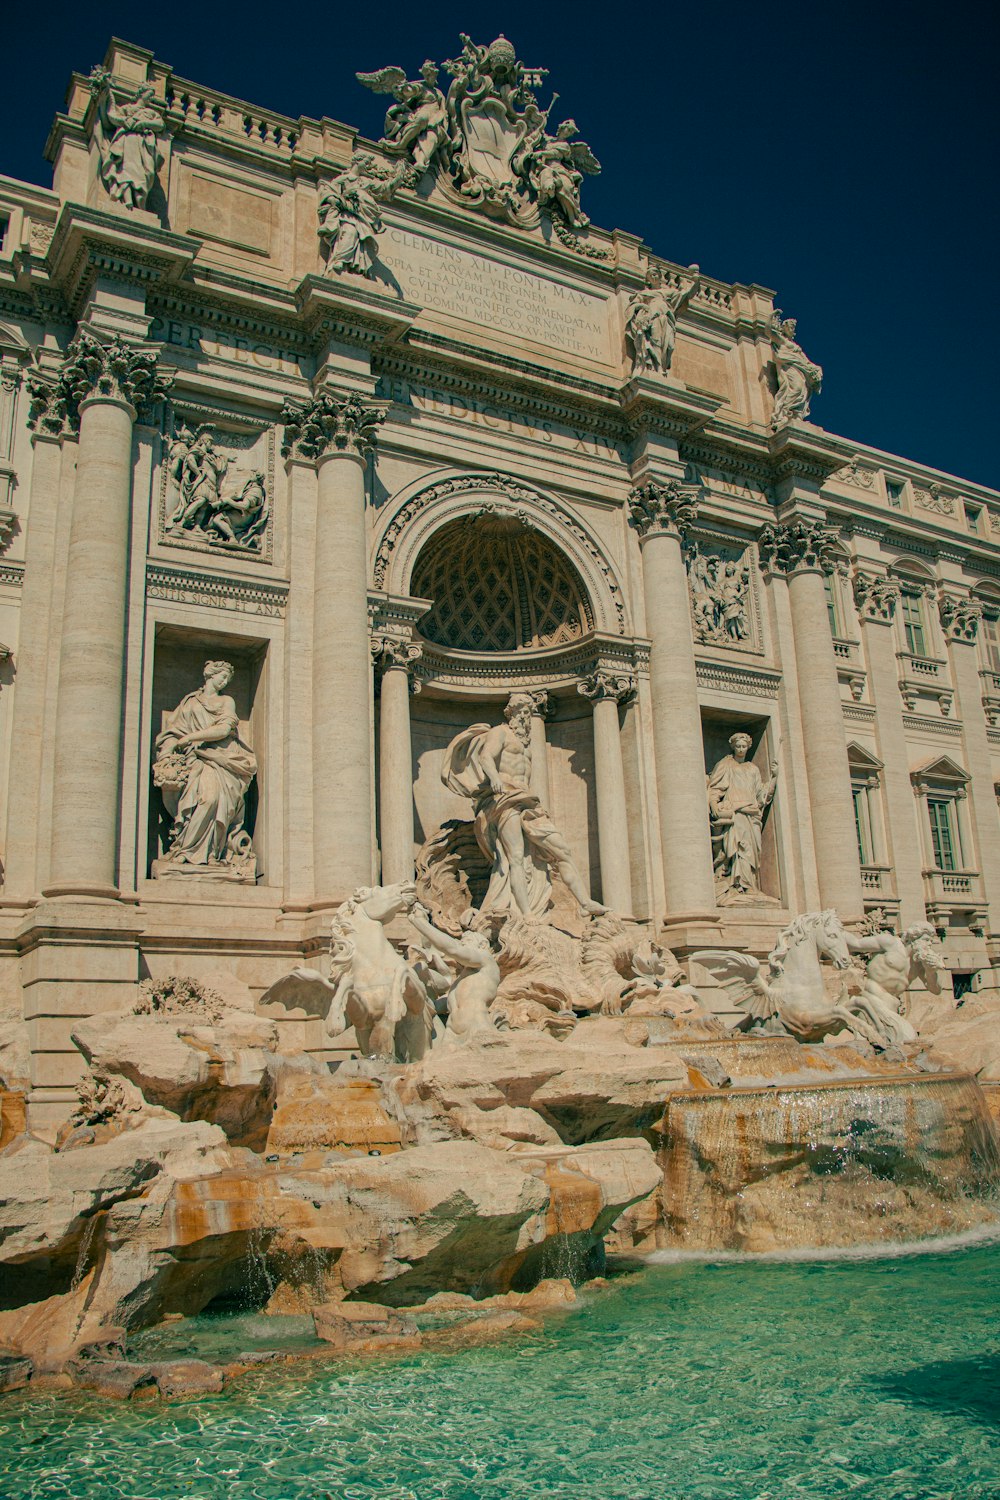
(974, 518)
(863, 822)
(894, 493)
(944, 834)
(913, 624)
(831, 606)
(961, 982)
(991, 641)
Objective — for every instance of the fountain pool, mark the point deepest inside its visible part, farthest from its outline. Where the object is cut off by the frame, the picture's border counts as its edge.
(726, 1378)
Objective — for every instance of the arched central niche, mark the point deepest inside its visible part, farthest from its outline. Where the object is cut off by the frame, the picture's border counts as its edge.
(499, 585)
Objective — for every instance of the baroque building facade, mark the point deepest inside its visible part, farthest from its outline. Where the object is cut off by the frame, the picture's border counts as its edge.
(313, 451)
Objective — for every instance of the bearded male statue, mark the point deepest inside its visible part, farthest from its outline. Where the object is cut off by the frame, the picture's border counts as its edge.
(491, 765)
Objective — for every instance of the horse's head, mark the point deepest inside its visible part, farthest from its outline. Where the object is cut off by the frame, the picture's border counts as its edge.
(383, 902)
(831, 938)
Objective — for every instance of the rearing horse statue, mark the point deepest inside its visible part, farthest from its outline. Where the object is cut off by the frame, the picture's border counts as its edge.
(791, 987)
(371, 986)
(376, 990)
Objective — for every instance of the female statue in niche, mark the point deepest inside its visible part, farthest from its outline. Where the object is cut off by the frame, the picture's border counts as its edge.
(203, 770)
(738, 797)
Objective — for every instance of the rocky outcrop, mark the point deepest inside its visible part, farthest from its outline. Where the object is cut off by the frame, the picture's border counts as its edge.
(317, 1112)
(223, 1073)
(167, 1219)
(592, 1086)
(965, 1038)
(15, 1056)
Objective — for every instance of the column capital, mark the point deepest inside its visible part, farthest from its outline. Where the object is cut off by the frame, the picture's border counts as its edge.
(959, 617)
(603, 684)
(48, 413)
(329, 424)
(541, 703)
(94, 369)
(397, 653)
(797, 545)
(663, 507)
(875, 596)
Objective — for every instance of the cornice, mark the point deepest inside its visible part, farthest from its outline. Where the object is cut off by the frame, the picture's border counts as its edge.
(655, 405)
(89, 243)
(800, 451)
(404, 363)
(348, 309)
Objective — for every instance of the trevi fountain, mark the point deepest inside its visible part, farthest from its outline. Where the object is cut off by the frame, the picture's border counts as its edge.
(500, 933)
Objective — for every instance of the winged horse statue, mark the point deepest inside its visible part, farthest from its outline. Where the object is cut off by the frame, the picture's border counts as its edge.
(790, 987)
(371, 986)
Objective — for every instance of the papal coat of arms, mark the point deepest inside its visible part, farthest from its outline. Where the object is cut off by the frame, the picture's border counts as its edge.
(487, 138)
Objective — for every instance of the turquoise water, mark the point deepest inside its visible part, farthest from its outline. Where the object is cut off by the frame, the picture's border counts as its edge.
(712, 1380)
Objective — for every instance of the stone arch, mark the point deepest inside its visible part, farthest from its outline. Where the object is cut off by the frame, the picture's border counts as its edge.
(419, 512)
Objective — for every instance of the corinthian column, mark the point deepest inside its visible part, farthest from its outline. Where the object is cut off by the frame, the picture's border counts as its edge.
(339, 433)
(541, 707)
(800, 552)
(395, 659)
(606, 690)
(661, 512)
(102, 384)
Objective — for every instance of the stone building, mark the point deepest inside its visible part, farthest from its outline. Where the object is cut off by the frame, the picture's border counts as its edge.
(393, 431)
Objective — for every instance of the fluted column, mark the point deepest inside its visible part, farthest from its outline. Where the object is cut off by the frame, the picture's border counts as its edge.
(339, 433)
(606, 691)
(661, 511)
(298, 749)
(541, 708)
(47, 419)
(877, 598)
(800, 551)
(395, 659)
(103, 382)
(960, 617)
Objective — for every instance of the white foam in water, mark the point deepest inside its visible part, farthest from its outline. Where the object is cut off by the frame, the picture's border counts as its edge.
(983, 1234)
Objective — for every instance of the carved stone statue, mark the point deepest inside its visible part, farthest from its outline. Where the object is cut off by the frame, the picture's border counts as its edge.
(199, 471)
(470, 994)
(798, 377)
(651, 321)
(555, 165)
(487, 139)
(895, 962)
(720, 590)
(737, 797)
(417, 124)
(349, 218)
(492, 767)
(203, 769)
(127, 141)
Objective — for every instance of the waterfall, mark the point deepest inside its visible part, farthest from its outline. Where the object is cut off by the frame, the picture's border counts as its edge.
(827, 1163)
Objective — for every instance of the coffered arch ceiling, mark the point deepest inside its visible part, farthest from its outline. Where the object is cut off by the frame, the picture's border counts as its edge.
(498, 584)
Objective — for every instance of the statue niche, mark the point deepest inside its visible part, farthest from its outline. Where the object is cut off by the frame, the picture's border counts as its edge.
(203, 770)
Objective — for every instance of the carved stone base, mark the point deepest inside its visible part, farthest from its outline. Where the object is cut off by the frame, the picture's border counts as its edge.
(728, 895)
(242, 873)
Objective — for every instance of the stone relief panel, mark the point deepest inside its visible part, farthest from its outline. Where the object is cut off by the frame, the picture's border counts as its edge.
(721, 579)
(216, 485)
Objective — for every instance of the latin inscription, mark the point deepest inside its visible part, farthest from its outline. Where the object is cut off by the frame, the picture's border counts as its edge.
(484, 291)
(218, 344)
(426, 398)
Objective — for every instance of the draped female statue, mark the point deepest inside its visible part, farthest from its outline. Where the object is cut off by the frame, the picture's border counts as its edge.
(203, 770)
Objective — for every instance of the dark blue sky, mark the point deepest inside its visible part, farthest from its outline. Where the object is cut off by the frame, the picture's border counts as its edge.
(842, 154)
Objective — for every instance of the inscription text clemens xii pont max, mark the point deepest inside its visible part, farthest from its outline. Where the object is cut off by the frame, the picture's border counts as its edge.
(484, 291)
